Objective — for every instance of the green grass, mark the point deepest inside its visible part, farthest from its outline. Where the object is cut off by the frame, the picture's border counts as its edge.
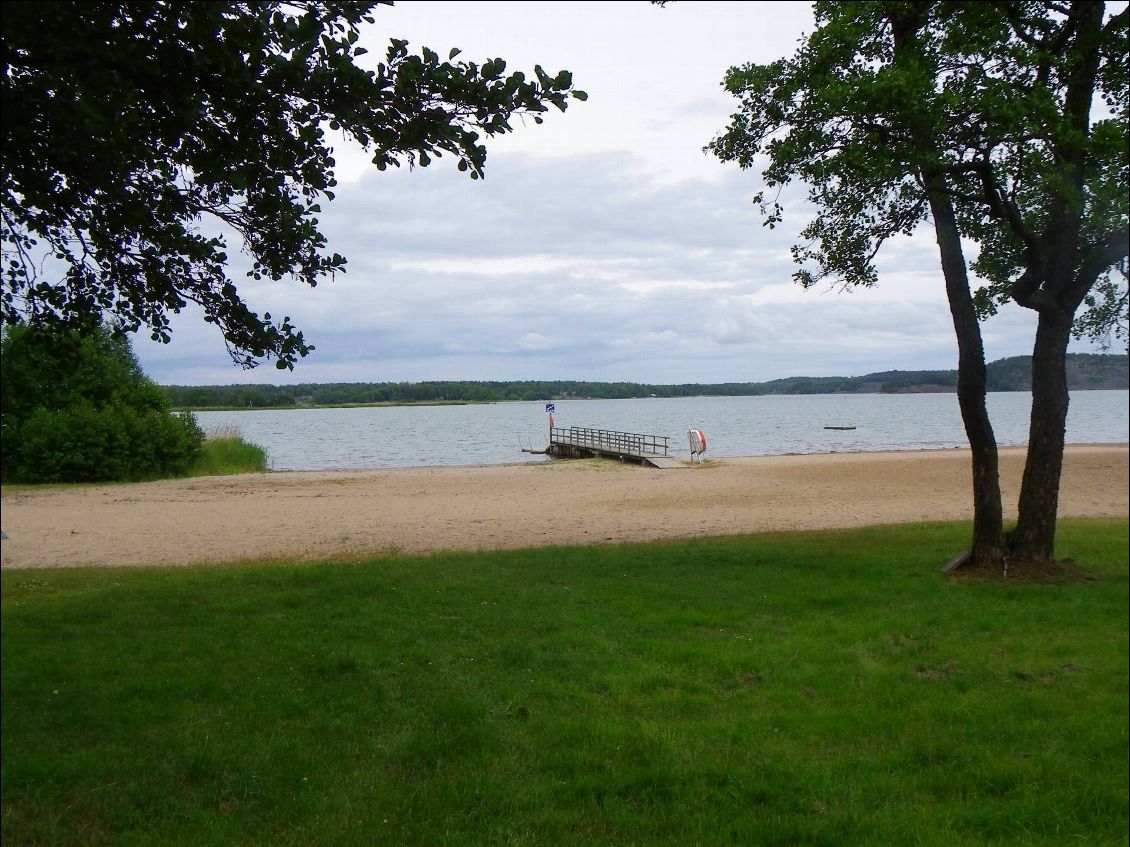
(809, 689)
(225, 452)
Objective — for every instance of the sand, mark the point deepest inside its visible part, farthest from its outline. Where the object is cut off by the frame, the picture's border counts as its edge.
(314, 515)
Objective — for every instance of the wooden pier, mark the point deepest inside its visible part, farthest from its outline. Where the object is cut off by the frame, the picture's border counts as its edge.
(581, 442)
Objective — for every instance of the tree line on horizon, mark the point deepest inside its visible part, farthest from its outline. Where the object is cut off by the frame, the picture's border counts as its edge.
(1086, 371)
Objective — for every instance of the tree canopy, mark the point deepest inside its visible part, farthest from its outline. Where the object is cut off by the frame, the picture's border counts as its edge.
(1005, 122)
(1004, 92)
(140, 137)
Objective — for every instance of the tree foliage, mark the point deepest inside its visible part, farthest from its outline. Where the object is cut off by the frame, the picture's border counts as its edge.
(140, 137)
(76, 407)
(983, 118)
(1006, 123)
(996, 88)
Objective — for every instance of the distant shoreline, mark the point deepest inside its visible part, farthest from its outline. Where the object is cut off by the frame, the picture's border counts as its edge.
(1085, 372)
(395, 404)
(314, 406)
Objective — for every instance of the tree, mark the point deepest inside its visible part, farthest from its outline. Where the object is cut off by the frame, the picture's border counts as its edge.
(978, 116)
(137, 133)
(76, 407)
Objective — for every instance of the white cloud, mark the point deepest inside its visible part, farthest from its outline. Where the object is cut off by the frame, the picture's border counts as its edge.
(603, 244)
(476, 266)
(650, 288)
(535, 341)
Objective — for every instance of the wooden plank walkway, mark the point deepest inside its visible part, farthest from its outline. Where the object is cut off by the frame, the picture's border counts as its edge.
(665, 462)
(578, 442)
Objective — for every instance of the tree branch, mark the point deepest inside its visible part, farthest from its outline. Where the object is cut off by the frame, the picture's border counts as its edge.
(1112, 250)
(1002, 208)
(1026, 291)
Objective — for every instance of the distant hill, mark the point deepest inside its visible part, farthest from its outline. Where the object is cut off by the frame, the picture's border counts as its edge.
(1084, 371)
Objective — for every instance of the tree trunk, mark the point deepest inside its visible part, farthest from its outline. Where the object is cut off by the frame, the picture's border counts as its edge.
(988, 549)
(988, 546)
(1058, 278)
(1033, 540)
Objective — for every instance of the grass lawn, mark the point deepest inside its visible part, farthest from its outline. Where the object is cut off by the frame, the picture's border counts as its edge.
(808, 689)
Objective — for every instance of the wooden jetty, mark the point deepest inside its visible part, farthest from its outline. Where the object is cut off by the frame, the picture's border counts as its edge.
(581, 442)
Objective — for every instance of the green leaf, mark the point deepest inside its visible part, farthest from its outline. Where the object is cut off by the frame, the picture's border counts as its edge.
(134, 139)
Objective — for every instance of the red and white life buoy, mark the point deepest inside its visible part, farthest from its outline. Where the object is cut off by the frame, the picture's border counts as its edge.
(697, 441)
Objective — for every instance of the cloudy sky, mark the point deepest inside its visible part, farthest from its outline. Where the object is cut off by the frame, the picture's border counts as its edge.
(603, 244)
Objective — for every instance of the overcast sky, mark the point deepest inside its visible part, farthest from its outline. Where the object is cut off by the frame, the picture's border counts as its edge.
(603, 244)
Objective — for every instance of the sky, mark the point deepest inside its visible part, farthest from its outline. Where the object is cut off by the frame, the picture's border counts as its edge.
(603, 244)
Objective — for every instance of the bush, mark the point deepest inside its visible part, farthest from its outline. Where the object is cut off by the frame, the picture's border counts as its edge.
(77, 408)
(98, 445)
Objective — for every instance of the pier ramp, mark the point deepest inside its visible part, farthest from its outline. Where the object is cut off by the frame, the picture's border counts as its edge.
(582, 442)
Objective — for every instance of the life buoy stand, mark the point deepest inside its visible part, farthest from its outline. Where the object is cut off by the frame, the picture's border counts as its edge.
(697, 440)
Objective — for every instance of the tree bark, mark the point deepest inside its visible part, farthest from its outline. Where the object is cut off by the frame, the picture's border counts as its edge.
(1033, 540)
(988, 549)
(1056, 271)
(988, 546)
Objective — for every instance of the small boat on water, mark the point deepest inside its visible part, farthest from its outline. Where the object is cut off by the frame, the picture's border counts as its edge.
(839, 427)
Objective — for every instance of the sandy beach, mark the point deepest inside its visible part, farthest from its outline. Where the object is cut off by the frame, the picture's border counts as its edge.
(314, 515)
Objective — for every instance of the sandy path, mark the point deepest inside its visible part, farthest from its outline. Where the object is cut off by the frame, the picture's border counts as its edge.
(314, 515)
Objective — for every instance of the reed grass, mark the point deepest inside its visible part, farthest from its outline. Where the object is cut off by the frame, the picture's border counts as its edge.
(225, 452)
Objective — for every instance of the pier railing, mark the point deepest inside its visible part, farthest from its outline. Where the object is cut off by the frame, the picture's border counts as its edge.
(608, 441)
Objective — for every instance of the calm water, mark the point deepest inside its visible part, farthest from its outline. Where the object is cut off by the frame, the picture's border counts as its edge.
(420, 436)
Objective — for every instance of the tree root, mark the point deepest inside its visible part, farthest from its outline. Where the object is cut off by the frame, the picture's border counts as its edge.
(1046, 572)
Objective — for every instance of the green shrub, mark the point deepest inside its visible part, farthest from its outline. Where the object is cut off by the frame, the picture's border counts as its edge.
(84, 444)
(77, 408)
